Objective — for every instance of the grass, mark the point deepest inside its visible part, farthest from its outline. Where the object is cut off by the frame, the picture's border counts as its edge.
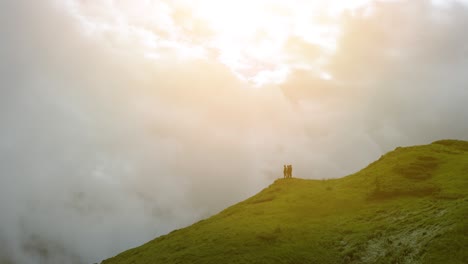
(410, 206)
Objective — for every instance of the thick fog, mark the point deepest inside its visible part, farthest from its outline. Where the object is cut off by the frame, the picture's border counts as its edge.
(103, 149)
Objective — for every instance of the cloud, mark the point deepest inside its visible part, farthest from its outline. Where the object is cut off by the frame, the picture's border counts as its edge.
(102, 149)
(397, 75)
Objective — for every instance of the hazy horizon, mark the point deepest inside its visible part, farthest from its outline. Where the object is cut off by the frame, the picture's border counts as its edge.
(123, 120)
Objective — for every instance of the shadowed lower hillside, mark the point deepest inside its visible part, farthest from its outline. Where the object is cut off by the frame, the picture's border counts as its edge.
(410, 206)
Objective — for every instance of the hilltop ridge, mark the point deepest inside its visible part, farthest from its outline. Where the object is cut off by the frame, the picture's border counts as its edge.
(409, 206)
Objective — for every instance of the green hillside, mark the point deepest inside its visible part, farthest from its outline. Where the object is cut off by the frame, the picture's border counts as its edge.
(410, 206)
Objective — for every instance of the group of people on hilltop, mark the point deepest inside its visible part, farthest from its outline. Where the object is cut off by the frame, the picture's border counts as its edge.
(287, 171)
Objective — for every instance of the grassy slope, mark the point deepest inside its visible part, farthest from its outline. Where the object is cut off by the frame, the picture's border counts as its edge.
(410, 206)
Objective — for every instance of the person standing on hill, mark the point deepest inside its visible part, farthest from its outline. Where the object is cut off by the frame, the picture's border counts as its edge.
(289, 171)
(285, 171)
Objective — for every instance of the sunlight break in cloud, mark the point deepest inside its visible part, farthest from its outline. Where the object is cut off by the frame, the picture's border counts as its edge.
(249, 37)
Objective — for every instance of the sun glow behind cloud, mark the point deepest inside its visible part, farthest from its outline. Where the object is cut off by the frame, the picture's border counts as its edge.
(259, 41)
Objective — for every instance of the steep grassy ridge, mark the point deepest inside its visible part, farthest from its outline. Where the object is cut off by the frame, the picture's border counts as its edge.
(410, 206)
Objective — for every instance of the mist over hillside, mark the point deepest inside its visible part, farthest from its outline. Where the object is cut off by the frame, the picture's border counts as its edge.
(103, 148)
(409, 206)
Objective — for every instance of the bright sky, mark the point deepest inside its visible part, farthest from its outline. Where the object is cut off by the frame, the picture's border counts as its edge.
(260, 41)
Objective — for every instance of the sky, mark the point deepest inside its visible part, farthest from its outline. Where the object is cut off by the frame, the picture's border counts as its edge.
(123, 120)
